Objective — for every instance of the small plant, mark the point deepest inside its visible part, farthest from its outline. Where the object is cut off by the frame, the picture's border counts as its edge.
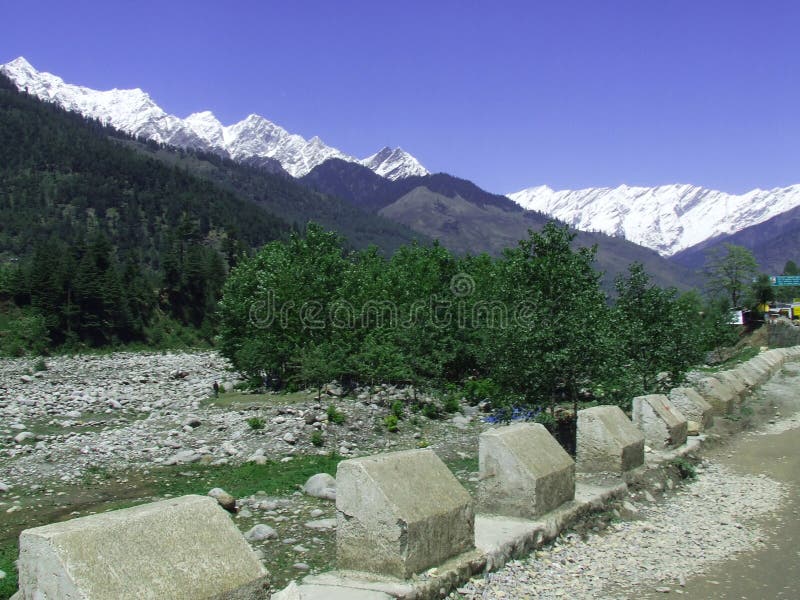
(398, 408)
(431, 411)
(746, 411)
(545, 418)
(423, 444)
(390, 422)
(221, 389)
(256, 423)
(39, 366)
(317, 439)
(335, 416)
(451, 404)
(685, 468)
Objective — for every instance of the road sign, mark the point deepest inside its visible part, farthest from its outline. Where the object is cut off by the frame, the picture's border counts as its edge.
(793, 280)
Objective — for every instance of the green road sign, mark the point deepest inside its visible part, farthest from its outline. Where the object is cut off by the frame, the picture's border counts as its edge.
(785, 280)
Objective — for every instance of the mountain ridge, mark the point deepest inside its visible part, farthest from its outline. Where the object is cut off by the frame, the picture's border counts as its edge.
(667, 218)
(252, 140)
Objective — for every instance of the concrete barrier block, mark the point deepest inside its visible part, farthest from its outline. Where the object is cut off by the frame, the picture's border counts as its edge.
(607, 441)
(185, 547)
(524, 472)
(738, 385)
(692, 406)
(749, 375)
(764, 363)
(663, 425)
(718, 394)
(400, 513)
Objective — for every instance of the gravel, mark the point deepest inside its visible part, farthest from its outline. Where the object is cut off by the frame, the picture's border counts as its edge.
(705, 521)
(140, 410)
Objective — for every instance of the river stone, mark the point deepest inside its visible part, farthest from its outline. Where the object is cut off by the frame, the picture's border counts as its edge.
(184, 547)
(400, 513)
(321, 485)
(692, 406)
(260, 532)
(718, 394)
(607, 441)
(224, 499)
(662, 424)
(524, 472)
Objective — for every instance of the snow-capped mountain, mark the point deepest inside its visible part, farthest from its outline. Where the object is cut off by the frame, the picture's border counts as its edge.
(394, 164)
(667, 218)
(134, 112)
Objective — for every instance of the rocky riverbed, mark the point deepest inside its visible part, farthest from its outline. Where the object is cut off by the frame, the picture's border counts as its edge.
(142, 410)
(93, 433)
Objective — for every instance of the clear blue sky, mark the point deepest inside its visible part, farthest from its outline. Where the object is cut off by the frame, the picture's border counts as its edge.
(508, 94)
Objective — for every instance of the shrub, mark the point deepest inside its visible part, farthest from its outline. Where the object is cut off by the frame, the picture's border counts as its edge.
(39, 366)
(390, 422)
(317, 439)
(451, 404)
(335, 416)
(398, 408)
(256, 423)
(26, 334)
(685, 468)
(431, 411)
(478, 390)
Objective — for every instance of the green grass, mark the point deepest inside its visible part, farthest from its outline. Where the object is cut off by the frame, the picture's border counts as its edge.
(97, 492)
(8, 554)
(743, 355)
(237, 399)
(274, 478)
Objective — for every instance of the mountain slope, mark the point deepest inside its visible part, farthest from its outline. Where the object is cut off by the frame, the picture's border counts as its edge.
(772, 242)
(60, 172)
(467, 219)
(253, 140)
(63, 177)
(667, 219)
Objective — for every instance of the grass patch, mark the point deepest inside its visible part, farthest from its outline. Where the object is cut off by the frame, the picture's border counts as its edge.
(274, 478)
(238, 399)
(8, 554)
(742, 355)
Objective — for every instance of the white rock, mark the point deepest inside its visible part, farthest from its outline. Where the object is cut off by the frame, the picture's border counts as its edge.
(260, 533)
(24, 436)
(321, 485)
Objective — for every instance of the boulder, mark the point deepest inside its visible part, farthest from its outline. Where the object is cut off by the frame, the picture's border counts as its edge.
(524, 472)
(321, 485)
(224, 499)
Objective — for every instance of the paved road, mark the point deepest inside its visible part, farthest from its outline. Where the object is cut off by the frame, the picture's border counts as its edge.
(773, 571)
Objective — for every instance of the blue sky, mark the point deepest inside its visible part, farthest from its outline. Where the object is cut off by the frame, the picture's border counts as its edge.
(509, 94)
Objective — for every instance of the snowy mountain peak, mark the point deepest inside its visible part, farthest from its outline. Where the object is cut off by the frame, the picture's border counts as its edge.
(134, 112)
(207, 127)
(394, 163)
(667, 218)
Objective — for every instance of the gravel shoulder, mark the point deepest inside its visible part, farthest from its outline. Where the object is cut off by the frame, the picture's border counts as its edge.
(669, 543)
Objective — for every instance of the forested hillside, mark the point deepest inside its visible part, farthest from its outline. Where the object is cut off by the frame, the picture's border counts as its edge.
(99, 240)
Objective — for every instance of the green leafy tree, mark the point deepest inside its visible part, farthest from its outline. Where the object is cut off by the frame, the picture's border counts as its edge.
(730, 272)
(555, 342)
